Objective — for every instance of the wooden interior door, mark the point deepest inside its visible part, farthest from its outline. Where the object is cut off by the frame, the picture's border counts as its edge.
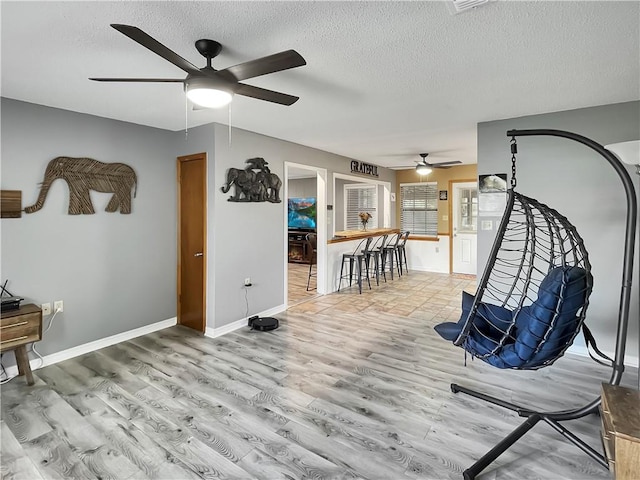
(192, 236)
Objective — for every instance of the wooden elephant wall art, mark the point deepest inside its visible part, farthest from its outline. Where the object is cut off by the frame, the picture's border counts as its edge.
(252, 186)
(85, 174)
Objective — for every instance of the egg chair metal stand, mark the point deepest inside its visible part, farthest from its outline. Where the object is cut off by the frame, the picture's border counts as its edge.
(532, 300)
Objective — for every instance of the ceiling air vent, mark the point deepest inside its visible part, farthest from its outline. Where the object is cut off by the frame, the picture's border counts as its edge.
(459, 6)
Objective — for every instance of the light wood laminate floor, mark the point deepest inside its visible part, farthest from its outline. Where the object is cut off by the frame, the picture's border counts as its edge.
(350, 387)
(298, 274)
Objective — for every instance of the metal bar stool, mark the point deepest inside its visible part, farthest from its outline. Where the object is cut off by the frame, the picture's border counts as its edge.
(358, 256)
(376, 251)
(391, 254)
(402, 253)
(312, 250)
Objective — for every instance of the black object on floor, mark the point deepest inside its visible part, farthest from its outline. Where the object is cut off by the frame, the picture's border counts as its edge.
(263, 324)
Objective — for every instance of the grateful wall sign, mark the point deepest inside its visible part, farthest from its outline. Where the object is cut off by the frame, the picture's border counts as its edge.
(364, 168)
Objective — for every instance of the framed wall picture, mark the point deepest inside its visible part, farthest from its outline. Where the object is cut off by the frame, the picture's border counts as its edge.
(493, 194)
(443, 195)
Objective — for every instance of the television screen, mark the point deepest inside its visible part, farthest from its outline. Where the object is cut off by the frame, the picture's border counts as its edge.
(302, 213)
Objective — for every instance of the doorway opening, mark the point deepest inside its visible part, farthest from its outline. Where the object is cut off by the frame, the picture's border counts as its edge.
(305, 213)
(346, 207)
(464, 227)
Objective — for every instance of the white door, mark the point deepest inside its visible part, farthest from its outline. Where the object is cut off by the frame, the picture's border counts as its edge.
(465, 227)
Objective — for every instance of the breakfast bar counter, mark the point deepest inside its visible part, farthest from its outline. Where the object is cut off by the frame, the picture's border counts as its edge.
(346, 242)
(348, 235)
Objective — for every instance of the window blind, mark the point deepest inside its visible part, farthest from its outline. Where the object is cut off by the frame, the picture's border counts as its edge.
(419, 208)
(360, 198)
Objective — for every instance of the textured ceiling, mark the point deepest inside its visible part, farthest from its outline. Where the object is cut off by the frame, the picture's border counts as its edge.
(384, 80)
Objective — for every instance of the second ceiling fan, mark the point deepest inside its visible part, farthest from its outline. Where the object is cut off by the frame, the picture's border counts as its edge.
(424, 168)
(211, 88)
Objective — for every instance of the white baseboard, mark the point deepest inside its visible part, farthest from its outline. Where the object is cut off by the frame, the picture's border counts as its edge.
(93, 346)
(581, 350)
(213, 332)
(424, 269)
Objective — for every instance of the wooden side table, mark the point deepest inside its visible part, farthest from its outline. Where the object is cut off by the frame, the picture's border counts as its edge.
(17, 329)
(621, 430)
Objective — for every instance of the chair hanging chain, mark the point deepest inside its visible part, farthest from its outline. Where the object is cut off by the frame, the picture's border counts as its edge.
(514, 150)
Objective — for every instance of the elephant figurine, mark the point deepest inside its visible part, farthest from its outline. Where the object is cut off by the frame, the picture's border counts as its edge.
(243, 181)
(85, 174)
(272, 184)
(256, 192)
(250, 186)
(271, 181)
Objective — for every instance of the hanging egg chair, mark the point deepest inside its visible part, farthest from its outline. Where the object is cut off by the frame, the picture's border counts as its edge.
(532, 299)
(533, 295)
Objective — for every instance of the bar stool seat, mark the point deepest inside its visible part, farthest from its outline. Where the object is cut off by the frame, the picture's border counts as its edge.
(357, 257)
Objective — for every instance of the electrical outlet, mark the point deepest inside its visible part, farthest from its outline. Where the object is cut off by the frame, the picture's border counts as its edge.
(46, 308)
(247, 282)
(58, 306)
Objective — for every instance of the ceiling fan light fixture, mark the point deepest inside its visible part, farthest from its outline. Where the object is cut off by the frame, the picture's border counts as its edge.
(423, 169)
(209, 97)
(207, 93)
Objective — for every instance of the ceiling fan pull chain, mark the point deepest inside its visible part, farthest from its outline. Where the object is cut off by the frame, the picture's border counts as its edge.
(186, 113)
(229, 125)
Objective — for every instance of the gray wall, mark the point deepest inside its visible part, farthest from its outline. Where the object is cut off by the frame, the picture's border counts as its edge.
(302, 187)
(582, 186)
(114, 272)
(250, 237)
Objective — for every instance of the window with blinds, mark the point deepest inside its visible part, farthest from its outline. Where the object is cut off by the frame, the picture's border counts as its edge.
(419, 208)
(360, 198)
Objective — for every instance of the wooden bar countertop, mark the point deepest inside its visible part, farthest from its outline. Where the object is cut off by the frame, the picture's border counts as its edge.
(348, 235)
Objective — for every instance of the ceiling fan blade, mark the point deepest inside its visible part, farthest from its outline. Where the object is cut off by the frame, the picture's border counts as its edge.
(264, 94)
(164, 80)
(270, 64)
(137, 35)
(445, 163)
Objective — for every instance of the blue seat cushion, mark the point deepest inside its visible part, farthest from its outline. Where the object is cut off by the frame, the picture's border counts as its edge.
(542, 330)
(488, 320)
(548, 324)
(449, 330)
